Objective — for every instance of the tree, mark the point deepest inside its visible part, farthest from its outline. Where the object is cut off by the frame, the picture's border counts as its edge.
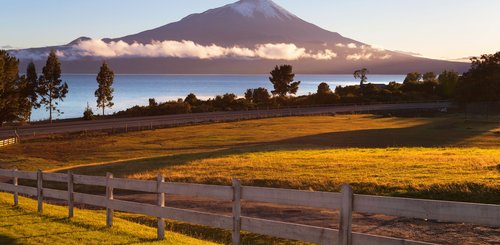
(10, 96)
(412, 82)
(225, 101)
(324, 95)
(361, 74)
(249, 95)
(88, 114)
(104, 92)
(447, 83)
(152, 103)
(191, 99)
(51, 87)
(429, 77)
(258, 95)
(324, 88)
(31, 88)
(282, 79)
(430, 83)
(412, 77)
(482, 82)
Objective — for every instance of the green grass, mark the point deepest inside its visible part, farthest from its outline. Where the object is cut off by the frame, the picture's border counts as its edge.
(440, 158)
(22, 225)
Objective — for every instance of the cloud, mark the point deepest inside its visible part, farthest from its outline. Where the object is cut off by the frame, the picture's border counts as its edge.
(359, 56)
(466, 59)
(6, 47)
(377, 48)
(409, 53)
(352, 45)
(327, 54)
(349, 45)
(385, 57)
(190, 49)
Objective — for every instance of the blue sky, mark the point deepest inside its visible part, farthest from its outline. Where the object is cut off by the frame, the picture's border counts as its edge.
(433, 28)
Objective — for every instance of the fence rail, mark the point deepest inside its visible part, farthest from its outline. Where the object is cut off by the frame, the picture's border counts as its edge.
(346, 202)
(9, 141)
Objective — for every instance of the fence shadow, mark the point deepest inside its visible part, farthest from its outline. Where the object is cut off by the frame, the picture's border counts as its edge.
(6, 240)
(438, 133)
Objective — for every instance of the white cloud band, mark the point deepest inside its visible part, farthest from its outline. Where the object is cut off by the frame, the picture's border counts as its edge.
(190, 49)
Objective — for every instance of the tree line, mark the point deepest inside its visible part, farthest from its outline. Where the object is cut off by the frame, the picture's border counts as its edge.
(480, 83)
(20, 94)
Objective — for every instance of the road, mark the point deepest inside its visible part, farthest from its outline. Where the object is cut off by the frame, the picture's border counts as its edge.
(136, 123)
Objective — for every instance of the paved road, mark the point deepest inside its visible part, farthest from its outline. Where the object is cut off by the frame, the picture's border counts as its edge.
(173, 120)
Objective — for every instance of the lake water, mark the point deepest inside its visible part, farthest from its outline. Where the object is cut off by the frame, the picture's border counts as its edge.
(133, 90)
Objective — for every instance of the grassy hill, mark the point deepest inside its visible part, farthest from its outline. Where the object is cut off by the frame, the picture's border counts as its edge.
(435, 157)
(22, 225)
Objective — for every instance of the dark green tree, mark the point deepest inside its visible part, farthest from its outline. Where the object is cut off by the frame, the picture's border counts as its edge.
(413, 77)
(88, 114)
(191, 99)
(412, 82)
(429, 83)
(104, 92)
(51, 86)
(482, 82)
(447, 83)
(152, 102)
(361, 74)
(429, 77)
(249, 95)
(282, 79)
(324, 88)
(31, 88)
(257, 95)
(10, 89)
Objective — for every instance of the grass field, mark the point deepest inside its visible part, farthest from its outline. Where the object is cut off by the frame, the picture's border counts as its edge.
(439, 157)
(22, 225)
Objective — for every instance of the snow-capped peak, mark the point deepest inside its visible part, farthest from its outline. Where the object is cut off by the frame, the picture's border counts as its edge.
(268, 8)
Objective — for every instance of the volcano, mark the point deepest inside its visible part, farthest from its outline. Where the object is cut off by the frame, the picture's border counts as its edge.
(246, 37)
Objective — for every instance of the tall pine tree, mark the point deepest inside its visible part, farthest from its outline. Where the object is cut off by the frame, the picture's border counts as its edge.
(10, 89)
(104, 92)
(52, 88)
(31, 88)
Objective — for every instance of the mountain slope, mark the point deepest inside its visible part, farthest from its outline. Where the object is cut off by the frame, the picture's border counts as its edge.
(261, 22)
(249, 36)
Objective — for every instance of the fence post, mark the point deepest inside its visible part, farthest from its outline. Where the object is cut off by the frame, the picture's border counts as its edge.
(39, 188)
(70, 194)
(15, 182)
(345, 227)
(109, 197)
(161, 202)
(236, 212)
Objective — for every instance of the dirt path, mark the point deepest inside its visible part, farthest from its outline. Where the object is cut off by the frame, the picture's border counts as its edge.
(414, 229)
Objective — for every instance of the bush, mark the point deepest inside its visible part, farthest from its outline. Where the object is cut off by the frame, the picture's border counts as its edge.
(88, 114)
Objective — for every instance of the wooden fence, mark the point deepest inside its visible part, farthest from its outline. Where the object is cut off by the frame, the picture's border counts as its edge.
(346, 201)
(9, 141)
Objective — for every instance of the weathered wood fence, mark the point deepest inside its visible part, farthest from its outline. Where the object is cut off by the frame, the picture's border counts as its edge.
(9, 141)
(346, 201)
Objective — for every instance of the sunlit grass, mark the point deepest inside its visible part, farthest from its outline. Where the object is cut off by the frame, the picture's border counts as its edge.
(441, 157)
(22, 225)
(439, 172)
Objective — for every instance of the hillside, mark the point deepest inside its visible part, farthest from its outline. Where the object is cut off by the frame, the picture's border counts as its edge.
(246, 37)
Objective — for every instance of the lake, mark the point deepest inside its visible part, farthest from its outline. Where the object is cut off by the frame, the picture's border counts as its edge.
(133, 90)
